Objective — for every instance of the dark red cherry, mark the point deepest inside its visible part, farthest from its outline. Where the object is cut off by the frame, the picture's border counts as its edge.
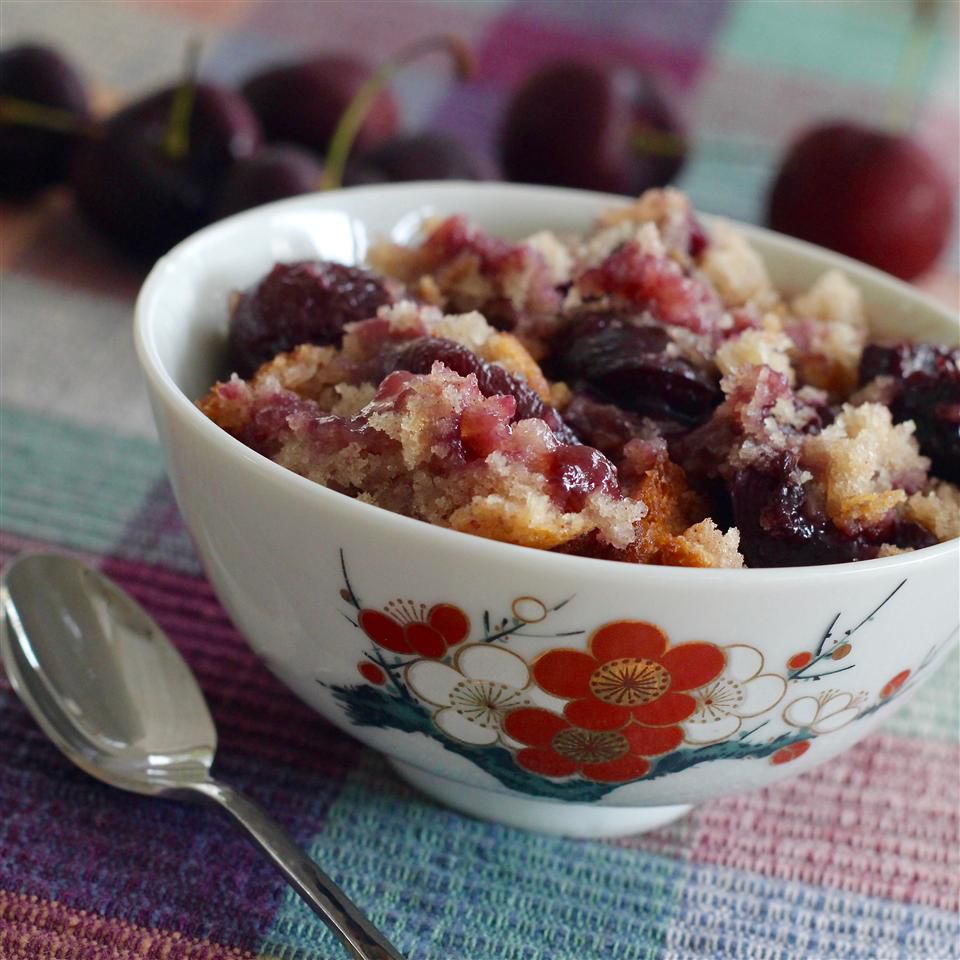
(780, 526)
(593, 126)
(302, 101)
(306, 302)
(575, 472)
(275, 172)
(605, 426)
(418, 156)
(629, 365)
(420, 354)
(143, 196)
(926, 390)
(874, 196)
(37, 152)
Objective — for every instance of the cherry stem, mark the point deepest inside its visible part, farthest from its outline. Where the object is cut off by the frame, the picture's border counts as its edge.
(353, 117)
(657, 143)
(176, 139)
(902, 107)
(27, 113)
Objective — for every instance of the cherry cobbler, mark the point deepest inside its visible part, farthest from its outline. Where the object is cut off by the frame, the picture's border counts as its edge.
(640, 393)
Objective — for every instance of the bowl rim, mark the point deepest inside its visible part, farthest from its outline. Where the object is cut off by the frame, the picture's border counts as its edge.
(164, 386)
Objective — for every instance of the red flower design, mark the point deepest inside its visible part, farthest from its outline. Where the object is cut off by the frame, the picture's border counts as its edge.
(894, 684)
(556, 748)
(799, 660)
(372, 673)
(630, 675)
(790, 752)
(405, 627)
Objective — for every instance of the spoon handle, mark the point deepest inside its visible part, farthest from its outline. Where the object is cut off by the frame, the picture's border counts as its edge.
(324, 897)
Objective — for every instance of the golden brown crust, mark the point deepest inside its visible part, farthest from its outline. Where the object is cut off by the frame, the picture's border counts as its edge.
(862, 462)
(223, 404)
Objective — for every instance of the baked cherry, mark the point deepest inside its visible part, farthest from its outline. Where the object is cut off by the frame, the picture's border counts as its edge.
(575, 472)
(605, 426)
(420, 354)
(924, 388)
(872, 195)
(43, 114)
(306, 302)
(781, 526)
(593, 126)
(629, 365)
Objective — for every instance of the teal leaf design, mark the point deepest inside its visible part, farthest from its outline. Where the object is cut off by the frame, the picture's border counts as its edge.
(375, 707)
(368, 706)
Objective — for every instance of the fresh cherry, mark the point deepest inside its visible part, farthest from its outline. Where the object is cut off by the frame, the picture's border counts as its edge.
(306, 302)
(275, 172)
(43, 111)
(419, 156)
(874, 196)
(302, 101)
(594, 126)
(144, 194)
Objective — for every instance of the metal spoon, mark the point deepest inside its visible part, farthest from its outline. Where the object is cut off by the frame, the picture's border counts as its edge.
(111, 691)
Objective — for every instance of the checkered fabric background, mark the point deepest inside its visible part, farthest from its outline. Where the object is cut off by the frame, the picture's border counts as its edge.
(858, 858)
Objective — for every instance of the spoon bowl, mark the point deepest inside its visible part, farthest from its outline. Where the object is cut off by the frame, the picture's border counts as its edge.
(108, 687)
(101, 678)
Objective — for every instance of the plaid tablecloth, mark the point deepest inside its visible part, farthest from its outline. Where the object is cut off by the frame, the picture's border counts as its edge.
(858, 858)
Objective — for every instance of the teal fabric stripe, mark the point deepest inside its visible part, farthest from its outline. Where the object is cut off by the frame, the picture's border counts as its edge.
(731, 179)
(90, 490)
(859, 44)
(71, 485)
(447, 887)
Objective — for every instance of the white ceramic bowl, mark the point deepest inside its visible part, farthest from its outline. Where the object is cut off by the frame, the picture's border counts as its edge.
(323, 586)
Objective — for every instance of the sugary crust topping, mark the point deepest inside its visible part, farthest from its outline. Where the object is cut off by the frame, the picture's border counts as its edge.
(227, 404)
(519, 511)
(832, 299)
(600, 245)
(705, 545)
(556, 255)
(826, 354)
(829, 330)
(755, 348)
(937, 509)
(735, 269)
(666, 210)
(865, 463)
(660, 206)
(469, 270)
(412, 449)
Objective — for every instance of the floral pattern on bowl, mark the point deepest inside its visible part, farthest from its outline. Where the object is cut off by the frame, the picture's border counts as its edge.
(574, 722)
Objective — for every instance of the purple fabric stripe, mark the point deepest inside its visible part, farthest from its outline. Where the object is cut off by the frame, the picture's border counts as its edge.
(65, 837)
